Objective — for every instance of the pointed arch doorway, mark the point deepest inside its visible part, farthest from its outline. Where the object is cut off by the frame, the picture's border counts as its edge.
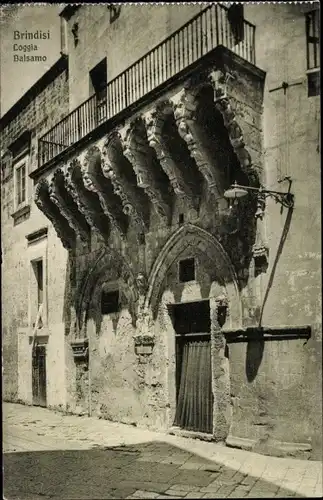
(196, 357)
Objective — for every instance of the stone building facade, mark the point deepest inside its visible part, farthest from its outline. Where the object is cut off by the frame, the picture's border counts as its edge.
(163, 304)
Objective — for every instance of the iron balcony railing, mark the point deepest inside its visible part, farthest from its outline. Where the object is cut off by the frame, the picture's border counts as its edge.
(204, 32)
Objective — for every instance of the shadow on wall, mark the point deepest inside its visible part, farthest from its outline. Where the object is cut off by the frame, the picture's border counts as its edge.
(278, 254)
(255, 348)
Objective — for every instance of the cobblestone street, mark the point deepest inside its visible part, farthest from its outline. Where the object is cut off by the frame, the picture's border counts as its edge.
(50, 455)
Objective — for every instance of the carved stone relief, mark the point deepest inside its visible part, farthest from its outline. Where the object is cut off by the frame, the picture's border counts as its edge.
(87, 201)
(137, 150)
(51, 211)
(260, 248)
(114, 166)
(59, 195)
(184, 106)
(218, 80)
(155, 121)
(95, 181)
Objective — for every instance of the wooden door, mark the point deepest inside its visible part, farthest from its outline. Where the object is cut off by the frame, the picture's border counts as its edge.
(194, 404)
(194, 410)
(39, 376)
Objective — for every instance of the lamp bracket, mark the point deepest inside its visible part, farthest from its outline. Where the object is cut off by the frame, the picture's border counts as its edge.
(286, 199)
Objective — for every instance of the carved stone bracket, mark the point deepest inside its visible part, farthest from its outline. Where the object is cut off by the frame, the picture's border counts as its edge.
(260, 249)
(113, 167)
(88, 203)
(95, 181)
(218, 80)
(59, 195)
(221, 309)
(144, 345)
(65, 233)
(80, 349)
(155, 121)
(184, 112)
(137, 150)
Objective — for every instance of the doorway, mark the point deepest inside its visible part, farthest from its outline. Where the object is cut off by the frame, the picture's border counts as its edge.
(98, 86)
(194, 397)
(39, 375)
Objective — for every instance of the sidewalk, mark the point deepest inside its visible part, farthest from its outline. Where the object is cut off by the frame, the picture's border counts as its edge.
(37, 429)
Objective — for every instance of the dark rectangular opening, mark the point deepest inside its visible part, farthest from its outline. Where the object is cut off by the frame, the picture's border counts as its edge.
(109, 302)
(40, 282)
(186, 270)
(191, 317)
(235, 18)
(98, 79)
(313, 39)
(313, 84)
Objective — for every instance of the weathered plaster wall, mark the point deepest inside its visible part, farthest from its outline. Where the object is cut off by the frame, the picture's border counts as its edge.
(286, 395)
(275, 397)
(40, 114)
(123, 42)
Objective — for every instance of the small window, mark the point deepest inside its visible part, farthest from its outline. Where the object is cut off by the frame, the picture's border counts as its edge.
(40, 282)
(109, 301)
(313, 83)
(37, 291)
(312, 39)
(187, 270)
(20, 182)
(235, 18)
(98, 80)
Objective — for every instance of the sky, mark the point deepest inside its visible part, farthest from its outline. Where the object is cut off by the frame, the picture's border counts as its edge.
(17, 77)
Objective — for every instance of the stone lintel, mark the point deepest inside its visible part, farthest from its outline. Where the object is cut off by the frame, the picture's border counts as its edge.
(267, 333)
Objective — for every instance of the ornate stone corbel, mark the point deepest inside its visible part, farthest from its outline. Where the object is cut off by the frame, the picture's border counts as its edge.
(155, 121)
(137, 150)
(222, 308)
(87, 202)
(219, 81)
(144, 345)
(260, 249)
(65, 233)
(59, 195)
(95, 181)
(80, 349)
(184, 113)
(134, 204)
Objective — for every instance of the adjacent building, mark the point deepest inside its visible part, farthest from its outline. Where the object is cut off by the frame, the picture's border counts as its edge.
(161, 250)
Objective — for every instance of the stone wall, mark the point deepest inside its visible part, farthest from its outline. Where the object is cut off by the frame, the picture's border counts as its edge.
(289, 293)
(274, 386)
(41, 113)
(123, 42)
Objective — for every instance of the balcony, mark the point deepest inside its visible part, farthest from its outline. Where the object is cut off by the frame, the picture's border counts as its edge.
(207, 30)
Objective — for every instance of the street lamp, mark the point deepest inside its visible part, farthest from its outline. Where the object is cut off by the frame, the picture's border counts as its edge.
(237, 191)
